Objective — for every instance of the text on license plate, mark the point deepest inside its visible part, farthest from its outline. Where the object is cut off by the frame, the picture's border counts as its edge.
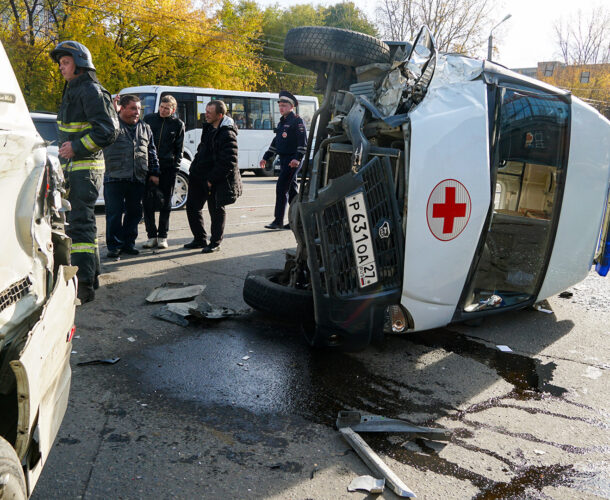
(362, 242)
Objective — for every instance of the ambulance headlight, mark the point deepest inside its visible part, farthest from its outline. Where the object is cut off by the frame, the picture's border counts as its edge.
(396, 320)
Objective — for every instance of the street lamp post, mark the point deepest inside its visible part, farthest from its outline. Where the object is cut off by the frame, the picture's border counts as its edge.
(490, 40)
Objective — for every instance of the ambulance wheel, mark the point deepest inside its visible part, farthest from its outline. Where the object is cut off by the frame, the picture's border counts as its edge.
(263, 292)
(12, 480)
(313, 46)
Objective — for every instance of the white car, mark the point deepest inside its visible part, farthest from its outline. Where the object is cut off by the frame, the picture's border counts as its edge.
(46, 124)
(37, 295)
(443, 188)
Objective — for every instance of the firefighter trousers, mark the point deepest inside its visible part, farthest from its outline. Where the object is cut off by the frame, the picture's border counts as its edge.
(83, 190)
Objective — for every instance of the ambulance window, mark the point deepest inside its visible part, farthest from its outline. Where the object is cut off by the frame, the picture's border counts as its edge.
(531, 145)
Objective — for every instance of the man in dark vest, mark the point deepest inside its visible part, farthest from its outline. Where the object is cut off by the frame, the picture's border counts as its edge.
(213, 177)
(290, 143)
(130, 162)
(87, 123)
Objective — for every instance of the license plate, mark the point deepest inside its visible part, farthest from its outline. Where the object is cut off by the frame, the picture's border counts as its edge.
(360, 230)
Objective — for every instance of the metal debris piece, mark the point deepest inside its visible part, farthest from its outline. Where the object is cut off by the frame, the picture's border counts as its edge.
(166, 315)
(372, 460)
(181, 308)
(375, 423)
(367, 483)
(109, 361)
(170, 292)
(504, 348)
(205, 310)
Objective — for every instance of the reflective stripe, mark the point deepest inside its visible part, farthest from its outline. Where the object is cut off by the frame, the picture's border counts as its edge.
(89, 144)
(73, 126)
(73, 166)
(83, 248)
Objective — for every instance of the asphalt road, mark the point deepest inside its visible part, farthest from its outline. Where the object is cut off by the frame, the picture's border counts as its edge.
(184, 415)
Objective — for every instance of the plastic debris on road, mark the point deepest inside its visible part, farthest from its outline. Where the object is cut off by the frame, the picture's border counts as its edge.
(367, 483)
(171, 292)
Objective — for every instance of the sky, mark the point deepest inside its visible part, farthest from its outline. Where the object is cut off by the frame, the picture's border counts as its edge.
(521, 41)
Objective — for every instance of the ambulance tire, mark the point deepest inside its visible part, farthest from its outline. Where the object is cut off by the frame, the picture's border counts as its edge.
(265, 294)
(313, 46)
(13, 481)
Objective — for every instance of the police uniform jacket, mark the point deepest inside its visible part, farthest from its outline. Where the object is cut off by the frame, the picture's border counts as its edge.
(290, 138)
(88, 120)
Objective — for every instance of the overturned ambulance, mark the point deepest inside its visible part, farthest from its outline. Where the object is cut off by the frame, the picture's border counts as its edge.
(442, 188)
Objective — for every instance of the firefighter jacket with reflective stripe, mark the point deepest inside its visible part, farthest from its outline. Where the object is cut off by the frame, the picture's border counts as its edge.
(132, 157)
(88, 120)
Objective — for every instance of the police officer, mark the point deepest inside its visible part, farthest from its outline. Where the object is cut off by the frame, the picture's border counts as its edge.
(290, 142)
(87, 123)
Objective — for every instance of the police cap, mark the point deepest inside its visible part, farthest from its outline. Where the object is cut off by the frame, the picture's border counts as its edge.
(286, 96)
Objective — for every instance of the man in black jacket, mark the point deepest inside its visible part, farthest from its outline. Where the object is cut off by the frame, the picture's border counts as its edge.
(168, 132)
(87, 123)
(213, 177)
(130, 162)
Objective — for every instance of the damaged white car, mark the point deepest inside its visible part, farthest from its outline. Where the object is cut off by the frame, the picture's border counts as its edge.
(37, 296)
(442, 189)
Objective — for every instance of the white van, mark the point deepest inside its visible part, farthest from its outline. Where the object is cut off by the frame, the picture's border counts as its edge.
(255, 113)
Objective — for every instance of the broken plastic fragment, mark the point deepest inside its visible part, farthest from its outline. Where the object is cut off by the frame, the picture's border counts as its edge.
(166, 315)
(504, 348)
(367, 483)
(542, 309)
(170, 292)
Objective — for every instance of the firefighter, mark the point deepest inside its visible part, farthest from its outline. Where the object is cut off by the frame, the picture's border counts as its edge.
(87, 123)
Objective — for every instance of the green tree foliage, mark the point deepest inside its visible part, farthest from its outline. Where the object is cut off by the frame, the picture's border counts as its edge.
(276, 23)
(170, 42)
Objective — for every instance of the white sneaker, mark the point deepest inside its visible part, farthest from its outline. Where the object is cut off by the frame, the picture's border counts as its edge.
(162, 243)
(151, 243)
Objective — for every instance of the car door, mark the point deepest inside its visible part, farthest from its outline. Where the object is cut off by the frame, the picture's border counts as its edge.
(529, 161)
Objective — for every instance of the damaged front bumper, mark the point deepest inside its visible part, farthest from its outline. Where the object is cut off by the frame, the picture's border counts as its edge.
(350, 310)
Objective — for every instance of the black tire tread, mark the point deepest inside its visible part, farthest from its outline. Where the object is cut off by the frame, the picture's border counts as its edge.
(263, 294)
(307, 46)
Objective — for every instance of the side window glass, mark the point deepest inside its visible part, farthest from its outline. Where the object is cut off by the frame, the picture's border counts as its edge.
(306, 110)
(259, 114)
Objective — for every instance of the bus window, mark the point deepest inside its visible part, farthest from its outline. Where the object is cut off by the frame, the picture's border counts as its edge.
(306, 110)
(202, 101)
(186, 108)
(148, 102)
(236, 109)
(259, 114)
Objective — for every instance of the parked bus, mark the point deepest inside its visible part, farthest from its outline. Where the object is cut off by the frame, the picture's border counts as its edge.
(255, 113)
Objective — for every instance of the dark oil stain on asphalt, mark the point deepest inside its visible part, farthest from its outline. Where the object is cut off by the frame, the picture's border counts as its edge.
(264, 368)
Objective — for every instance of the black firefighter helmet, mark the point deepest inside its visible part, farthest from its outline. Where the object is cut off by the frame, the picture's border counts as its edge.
(80, 53)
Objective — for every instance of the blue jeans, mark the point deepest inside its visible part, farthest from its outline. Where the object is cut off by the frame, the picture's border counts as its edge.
(123, 201)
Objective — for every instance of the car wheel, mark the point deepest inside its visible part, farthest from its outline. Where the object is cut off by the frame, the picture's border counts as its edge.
(12, 480)
(181, 190)
(263, 292)
(268, 171)
(309, 46)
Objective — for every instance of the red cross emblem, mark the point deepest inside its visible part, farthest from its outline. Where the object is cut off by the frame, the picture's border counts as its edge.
(448, 209)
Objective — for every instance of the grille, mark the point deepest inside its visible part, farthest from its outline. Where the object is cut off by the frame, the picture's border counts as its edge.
(339, 163)
(340, 269)
(14, 293)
